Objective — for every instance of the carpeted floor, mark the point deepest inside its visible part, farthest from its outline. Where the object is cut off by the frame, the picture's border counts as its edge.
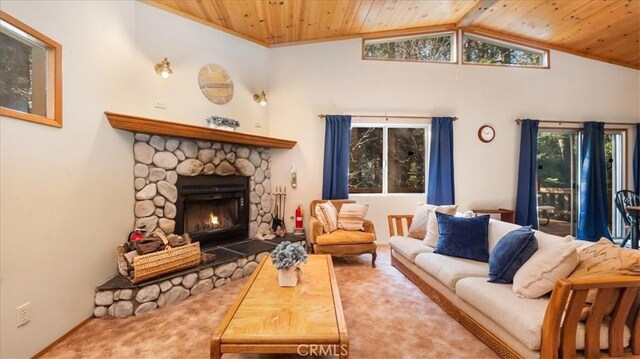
(387, 317)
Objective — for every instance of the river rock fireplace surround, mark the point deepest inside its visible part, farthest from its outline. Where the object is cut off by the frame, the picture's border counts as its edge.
(163, 165)
(214, 184)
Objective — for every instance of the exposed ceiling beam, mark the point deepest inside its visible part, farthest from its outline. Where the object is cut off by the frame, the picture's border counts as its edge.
(474, 13)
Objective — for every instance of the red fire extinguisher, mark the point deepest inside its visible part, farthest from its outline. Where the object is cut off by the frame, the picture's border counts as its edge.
(299, 217)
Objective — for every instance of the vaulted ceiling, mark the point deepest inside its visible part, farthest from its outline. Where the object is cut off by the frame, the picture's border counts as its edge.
(607, 30)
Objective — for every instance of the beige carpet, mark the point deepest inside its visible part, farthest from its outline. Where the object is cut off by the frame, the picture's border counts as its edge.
(387, 317)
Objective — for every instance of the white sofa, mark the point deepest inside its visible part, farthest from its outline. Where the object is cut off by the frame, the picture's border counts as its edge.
(460, 286)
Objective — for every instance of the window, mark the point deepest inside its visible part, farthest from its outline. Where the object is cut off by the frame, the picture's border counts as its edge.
(487, 51)
(388, 159)
(559, 153)
(437, 47)
(30, 74)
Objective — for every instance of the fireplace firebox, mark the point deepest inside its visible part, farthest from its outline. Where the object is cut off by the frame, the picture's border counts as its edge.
(214, 210)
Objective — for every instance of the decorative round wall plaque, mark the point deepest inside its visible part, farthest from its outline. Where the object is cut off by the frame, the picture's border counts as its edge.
(215, 84)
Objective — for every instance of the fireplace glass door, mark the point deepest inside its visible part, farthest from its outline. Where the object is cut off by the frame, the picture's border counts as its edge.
(211, 215)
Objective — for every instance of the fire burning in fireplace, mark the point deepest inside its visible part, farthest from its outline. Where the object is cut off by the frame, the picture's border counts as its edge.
(214, 220)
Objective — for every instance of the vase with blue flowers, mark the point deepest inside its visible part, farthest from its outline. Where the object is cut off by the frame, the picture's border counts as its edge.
(287, 258)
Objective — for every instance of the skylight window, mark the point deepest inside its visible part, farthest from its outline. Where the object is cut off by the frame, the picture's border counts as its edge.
(434, 47)
(483, 50)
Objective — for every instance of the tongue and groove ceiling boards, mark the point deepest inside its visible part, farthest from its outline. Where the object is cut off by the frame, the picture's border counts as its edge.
(606, 30)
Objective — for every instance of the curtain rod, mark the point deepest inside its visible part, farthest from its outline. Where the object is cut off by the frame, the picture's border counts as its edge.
(390, 116)
(560, 122)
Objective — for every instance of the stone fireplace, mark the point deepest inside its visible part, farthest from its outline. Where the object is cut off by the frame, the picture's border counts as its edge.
(217, 192)
(213, 209)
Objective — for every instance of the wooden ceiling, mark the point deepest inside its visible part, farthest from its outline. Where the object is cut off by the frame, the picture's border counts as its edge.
(606, 30)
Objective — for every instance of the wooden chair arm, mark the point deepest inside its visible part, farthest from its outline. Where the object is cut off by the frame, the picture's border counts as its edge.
(396, 223)
(565, 306)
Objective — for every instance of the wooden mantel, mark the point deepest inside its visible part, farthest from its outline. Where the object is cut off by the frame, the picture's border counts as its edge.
(166, 128)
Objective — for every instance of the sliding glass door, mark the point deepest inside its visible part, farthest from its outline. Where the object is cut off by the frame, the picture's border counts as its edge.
(559, 179)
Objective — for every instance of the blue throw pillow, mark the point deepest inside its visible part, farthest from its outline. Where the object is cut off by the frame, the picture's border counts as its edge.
(511, 252)
(463, 237)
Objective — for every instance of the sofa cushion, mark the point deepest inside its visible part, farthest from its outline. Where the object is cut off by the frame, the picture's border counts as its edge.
(409, 247)
(341, 236)
(605, 258)
(510, 254)
(418, 227)
(449, 270)
(464, 237)
(497, 230)
(520, 317)
(327, 214)
(433, 232)
(351, 216)
(555, 259)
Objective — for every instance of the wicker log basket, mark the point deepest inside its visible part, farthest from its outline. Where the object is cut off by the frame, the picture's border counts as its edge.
(158, 263)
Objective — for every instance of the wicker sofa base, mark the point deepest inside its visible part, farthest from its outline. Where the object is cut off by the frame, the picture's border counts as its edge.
(488, 338)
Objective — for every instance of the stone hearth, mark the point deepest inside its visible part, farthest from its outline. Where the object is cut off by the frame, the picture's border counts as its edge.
(160, 160)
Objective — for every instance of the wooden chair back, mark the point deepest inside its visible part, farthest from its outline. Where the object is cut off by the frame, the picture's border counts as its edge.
(398, 223)
(565, 307)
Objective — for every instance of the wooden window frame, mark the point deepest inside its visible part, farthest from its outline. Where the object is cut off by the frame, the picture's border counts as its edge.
(54, 78)
(506, 41)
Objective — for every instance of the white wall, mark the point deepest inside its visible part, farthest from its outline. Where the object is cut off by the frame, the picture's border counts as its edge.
(66, 194)
(331, 78)
(189, 46)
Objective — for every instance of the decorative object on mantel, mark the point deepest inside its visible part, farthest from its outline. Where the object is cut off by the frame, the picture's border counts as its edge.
(215, 84)
(150, 126)
(260, 98)
(223, 123)
(287, 258)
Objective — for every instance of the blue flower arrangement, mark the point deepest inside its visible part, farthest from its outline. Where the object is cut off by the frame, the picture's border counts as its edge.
(223, 121)
(288, 255)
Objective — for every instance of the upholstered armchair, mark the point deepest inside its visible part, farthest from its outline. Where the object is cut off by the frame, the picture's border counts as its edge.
(342, 242)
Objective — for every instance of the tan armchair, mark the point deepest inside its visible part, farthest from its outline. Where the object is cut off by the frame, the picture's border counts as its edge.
(341, 242)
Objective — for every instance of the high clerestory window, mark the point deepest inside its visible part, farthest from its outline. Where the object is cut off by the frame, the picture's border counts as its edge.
(434, 47)
(441, 47)
(483, 50)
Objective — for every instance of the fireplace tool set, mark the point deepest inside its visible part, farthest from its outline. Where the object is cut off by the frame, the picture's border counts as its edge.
(278, 227)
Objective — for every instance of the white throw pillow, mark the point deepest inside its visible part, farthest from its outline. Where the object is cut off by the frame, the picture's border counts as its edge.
(418, 228)
(433, 234)
(555, 259)
(351, 216)
(327, 214)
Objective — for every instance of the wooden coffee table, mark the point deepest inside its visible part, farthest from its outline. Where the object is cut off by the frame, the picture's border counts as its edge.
(266, 318)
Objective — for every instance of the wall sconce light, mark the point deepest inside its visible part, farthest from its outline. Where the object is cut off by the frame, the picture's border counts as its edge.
(163, 68)
(260, 98)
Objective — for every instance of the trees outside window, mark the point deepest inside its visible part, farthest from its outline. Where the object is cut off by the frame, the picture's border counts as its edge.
(482, 50)
(439, 47)
(386, 159)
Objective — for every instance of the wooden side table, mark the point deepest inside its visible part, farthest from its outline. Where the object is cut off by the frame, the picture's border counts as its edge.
(506, 215)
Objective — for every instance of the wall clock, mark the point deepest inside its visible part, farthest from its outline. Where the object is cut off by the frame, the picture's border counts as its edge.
(486, 133)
